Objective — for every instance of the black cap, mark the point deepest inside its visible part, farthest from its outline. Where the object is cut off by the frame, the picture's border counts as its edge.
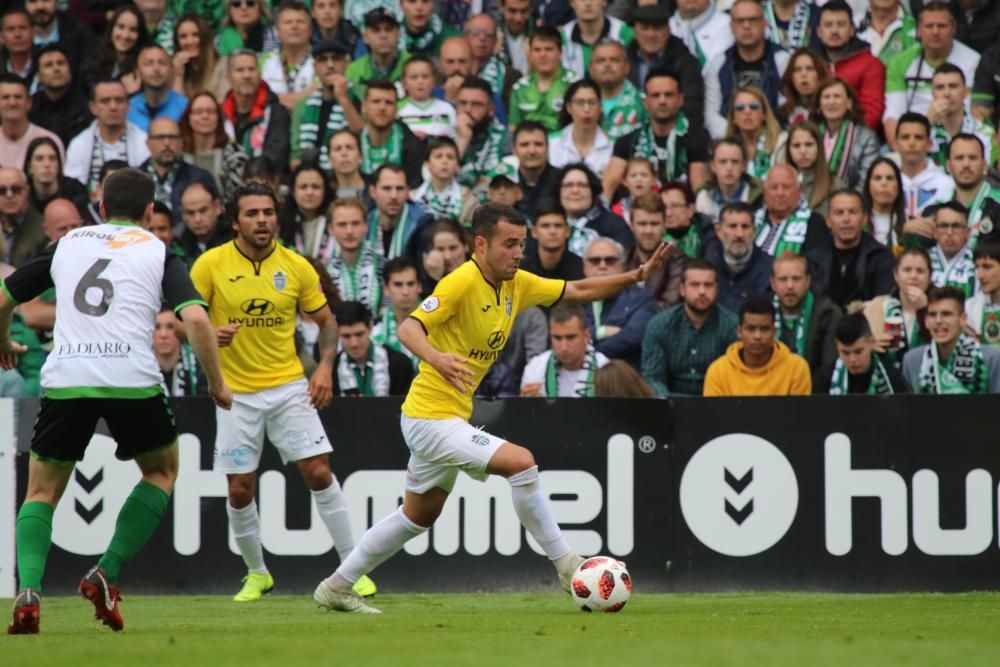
(330, 45)
(380, 15)
(651, 15)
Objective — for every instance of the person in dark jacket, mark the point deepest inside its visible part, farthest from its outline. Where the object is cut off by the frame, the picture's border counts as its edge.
(752, 61)
(857, 369)
(742, 269)
(978, 22)
(617, 324)
(60, 105)
(170, 173)
(57, 28)
(534, 173)
(579, 192)
(654, 47)
(804, 320)
(363, 368)
(547, 254)
(201, 211)
(262, 125)
(853, 266)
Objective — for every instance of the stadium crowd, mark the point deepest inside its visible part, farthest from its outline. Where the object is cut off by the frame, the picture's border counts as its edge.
(826, 176)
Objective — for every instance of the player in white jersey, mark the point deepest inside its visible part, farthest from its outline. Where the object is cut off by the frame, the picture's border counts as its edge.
(110, 280)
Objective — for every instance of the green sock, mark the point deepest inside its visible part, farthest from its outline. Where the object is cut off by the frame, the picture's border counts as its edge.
(34, 539)
(138, 519)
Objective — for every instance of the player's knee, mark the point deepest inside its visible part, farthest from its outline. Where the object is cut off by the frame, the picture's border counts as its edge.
(522, 461)
(241, 491)
(524, 477)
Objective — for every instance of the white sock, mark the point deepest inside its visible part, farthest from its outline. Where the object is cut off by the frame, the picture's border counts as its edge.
(246, 529)
(533, 509)
(333, 509)
(378, 543)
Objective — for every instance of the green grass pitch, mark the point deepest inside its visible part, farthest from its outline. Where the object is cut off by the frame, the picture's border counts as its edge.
(523, 630)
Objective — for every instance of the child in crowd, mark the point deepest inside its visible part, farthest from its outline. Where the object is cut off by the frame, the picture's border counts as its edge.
(640, 178)
(424, 114)
(441, 195)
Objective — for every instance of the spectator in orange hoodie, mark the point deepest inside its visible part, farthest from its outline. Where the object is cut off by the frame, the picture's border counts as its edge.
(758, 364)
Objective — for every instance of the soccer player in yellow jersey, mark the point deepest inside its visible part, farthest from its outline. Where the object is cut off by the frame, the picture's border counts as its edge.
(458, 332)
(254, 288)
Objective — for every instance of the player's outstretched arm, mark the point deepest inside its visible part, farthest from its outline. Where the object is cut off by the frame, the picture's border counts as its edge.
(201, 336)
(452, 367)
(599, 288)
(8, 348)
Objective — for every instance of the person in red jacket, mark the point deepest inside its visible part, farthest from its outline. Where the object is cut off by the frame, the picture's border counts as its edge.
(851, 59)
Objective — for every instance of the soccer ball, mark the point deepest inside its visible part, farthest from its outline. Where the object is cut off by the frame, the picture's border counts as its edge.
(601, 584)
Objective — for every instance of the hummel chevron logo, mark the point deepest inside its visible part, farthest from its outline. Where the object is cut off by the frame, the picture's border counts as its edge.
(739, 484)
(88, 483)
(89, 515)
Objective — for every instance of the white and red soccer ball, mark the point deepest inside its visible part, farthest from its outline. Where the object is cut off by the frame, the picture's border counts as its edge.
(601, 584)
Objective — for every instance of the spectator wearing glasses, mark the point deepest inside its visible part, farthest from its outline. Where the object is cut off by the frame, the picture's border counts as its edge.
(580, 196)
(952, 263)
(20, 224)
(617, 324)
(170, 173)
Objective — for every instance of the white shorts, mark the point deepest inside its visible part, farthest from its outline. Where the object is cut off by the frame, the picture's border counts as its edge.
(439, 448)
(285, 412)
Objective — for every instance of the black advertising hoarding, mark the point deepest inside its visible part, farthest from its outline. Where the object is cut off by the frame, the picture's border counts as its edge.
(847, 493)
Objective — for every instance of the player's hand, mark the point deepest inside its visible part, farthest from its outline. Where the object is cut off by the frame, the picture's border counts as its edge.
(531, 389)
(8, 353)
(454, 368)
(224, 334)
(652, 265)
(321, 386)
(222, 396)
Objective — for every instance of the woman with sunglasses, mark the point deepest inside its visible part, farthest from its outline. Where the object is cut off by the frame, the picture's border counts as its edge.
(805, 75)
(43, 169)
(580, 197)
(115, 56)
(751, 119)
(850, 147)
(208, 144)
(247, 25)
(581, 138)
(197, 66)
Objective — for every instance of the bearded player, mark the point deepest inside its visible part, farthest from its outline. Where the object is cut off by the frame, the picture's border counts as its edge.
(458, 332)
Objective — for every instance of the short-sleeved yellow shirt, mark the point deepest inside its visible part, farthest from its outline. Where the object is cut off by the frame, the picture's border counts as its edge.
(466, 315)
(263, 298)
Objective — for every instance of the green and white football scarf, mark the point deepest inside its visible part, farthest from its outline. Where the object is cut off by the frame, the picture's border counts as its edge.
(965, 372)
(670, 163)
(879, 383)
(360, 282)
(790, 235)
(444, 204)
(372, 380)
(373, 157)
(483, 154)
(494, 72)
(798, 32)
(581, 235)
(400, 233)
(689, 244)
(799, 324)
(960, 272)
(386, 333)
(761, 162)
(425, 40)
(97, 159)
(584, 388)
(839, 157)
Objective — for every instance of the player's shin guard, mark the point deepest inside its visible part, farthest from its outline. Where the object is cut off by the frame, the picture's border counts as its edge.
(33, 536)
(332, 508)
(533, 509)
(245, 523)
(380, 542)
(137, 520)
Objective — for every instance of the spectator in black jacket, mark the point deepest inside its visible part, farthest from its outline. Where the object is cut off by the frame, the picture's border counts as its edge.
(60, 106)
(804, 320)
(363, 368)
(857, 368)
(548, 255)
(201, 211)
(743, 270)
(170, 173)
(654, 47)
(978, 22)
(535, 175)
(852, 266)
(261, 124)
(580, 195)
(57, 28)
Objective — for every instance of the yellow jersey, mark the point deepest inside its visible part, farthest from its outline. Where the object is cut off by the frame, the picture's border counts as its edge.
(263, 298)
(466, 315)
